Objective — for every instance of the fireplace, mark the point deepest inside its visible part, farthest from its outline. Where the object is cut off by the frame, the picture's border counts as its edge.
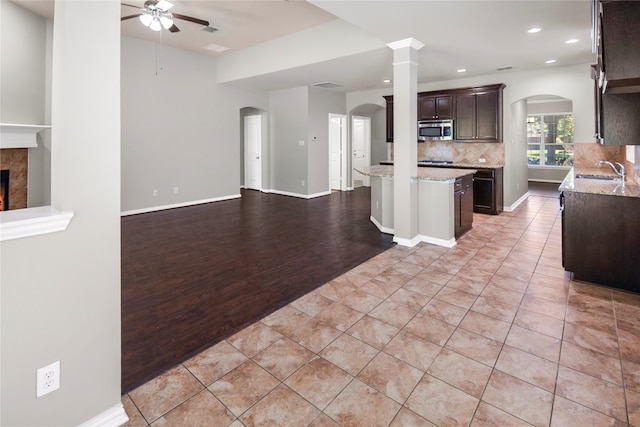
(4, 190)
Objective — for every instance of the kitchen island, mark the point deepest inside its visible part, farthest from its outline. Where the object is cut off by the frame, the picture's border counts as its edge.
(445, 202)
(601, 228)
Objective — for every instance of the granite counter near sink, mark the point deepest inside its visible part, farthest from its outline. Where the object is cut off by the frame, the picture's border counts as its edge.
(599, 186)
(601, 229)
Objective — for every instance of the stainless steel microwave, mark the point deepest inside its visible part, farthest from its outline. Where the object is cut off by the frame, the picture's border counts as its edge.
(435, 130)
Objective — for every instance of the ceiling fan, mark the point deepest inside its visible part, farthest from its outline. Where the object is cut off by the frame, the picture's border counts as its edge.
(155, 15)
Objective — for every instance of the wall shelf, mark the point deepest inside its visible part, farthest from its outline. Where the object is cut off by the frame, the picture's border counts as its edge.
(20, 136)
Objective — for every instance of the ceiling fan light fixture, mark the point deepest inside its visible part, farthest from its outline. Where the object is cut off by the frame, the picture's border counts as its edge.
(145, 19)
(155, 25)
(164, 5)
(166, 22)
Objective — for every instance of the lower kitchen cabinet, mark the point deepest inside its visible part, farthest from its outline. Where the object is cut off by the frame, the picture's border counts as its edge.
(463, 205)
(488, 190)
(600, 239)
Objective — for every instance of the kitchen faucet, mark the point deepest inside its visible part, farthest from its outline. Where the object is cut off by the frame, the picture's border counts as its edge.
(622, 171)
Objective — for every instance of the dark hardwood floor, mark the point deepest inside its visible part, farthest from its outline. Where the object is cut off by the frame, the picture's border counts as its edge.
(195, 275)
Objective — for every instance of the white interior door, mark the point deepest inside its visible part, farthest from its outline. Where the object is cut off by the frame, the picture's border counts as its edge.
(337, 150)
(252, 152)
(361, 139)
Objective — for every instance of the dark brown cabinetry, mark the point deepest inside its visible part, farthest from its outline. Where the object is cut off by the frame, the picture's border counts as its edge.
(478, 114)
(601, 236)
(617, 73)
(488, 190)
(463, 205)
(389, 100)
(435, 107)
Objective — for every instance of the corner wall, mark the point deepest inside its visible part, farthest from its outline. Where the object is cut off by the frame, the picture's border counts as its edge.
(60, 293)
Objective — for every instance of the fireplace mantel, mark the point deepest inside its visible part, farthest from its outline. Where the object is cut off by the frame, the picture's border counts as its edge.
(19, 136)
(15, 224)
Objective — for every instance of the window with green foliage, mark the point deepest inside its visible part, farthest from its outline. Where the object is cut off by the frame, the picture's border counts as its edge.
(550, 139)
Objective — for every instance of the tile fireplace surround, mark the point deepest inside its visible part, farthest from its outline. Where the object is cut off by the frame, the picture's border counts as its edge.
(16, 161)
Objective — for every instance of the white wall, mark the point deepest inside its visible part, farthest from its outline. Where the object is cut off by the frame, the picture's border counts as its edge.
(321, 103)
(571, 82)
(60, 293)
(288, 124)
(179, 127)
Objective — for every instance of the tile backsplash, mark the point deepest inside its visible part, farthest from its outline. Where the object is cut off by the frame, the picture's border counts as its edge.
(460, 152)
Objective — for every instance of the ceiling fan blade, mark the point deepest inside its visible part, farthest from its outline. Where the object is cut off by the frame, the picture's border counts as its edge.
(174, 29)
(130, 5)
(124, 18)
(190, 19)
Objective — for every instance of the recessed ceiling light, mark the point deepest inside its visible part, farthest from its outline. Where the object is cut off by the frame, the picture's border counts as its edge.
(461, 70)
(386, 81)
(571, 41)
(550, 61)
(534, 30)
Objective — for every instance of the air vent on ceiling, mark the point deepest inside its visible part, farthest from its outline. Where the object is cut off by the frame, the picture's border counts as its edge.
(216, 47)
(504, 68)
(209, 29)
(327, 85)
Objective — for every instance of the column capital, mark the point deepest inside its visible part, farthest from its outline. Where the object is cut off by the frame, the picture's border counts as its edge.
(410, 42)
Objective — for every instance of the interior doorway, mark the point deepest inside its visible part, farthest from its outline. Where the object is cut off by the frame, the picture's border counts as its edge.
(337, 152)
(361, 140)
(253, 152)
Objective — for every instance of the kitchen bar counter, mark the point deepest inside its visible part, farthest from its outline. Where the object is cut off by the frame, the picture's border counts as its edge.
(599, 186)
(424, 174)
(452, 165)
(442, 214)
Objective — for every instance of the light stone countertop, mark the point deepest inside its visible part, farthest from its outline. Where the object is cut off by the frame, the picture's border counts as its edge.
(424, 174)
(599, 186)
(457, 165)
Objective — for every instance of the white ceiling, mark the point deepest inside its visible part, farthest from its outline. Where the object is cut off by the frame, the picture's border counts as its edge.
(479, 36)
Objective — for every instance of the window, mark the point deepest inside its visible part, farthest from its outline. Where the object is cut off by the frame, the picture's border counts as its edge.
(550, 139)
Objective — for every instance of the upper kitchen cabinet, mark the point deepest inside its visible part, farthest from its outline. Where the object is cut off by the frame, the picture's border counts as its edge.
(389, 100)
(439, 107)
(478, 114)
(619, 42)
(617, 73)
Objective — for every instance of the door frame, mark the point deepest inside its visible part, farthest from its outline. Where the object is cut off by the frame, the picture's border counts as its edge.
(247, 160)
(367, 148)
(343, 149)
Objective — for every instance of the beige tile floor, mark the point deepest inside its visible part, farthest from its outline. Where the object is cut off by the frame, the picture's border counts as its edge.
(490, 332)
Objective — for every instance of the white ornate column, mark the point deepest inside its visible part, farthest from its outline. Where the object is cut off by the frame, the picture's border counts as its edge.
(405, 138)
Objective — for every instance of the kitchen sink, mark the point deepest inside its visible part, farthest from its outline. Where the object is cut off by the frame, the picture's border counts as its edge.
(602, 177)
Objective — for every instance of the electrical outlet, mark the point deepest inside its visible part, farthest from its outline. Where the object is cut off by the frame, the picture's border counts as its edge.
(48, 379)
(482, 160)
(302, 182)
(155, 193)
(175, 190)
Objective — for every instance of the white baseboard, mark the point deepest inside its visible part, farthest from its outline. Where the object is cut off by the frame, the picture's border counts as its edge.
(112, 417)
(517, 203)
(407, 242)
(438, 242)
(380, 227)
(412, 242)
(179, 205)
(299, 195)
